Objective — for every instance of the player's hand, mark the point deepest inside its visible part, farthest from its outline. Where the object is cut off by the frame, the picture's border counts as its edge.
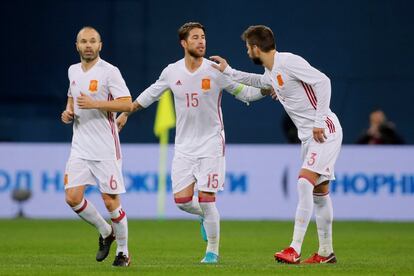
(85, 102)
(67, 116)
(269, 92)
(319, 135)
(221, 63)
(121, 121)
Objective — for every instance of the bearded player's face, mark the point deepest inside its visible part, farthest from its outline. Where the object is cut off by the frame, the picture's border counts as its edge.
(195, 44)
(253, 52)
(88, 45)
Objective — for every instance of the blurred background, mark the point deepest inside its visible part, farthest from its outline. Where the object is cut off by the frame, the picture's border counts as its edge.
(365, 47)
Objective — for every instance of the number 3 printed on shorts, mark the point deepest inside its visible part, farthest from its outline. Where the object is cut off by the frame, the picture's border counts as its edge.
(213, 181)
(312, 159)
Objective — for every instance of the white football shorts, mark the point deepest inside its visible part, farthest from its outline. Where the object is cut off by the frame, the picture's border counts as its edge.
(321, 157)
(107, 174)
(208, 173)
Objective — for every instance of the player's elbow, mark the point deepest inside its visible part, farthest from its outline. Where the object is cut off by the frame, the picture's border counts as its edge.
(127, 106)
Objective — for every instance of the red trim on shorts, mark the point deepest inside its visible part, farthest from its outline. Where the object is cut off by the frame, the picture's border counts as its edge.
(321, 194)
(82, 208)
(183, 199)
(332, 124)
(308, 179)
(121, 216)
(207, 199)
(329, 125)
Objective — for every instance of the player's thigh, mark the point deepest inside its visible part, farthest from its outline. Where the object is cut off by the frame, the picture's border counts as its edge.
(78, 173)
(211, 174)
(109, 176)
(182, 175)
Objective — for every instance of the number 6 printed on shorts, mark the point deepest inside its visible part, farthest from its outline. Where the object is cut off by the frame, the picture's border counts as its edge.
(112, 183)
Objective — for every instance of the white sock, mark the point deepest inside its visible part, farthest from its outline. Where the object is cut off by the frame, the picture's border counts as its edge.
(120, 224)
(324, 217)
(303, 213)
(189, 205)
(88, 212)
(212, 225)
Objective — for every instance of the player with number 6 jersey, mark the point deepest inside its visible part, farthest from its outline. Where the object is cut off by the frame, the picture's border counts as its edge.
(199, 162)
(96, 92)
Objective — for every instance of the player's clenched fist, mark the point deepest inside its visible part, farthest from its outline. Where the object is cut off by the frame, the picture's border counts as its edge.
(121, 121)
(67, 116)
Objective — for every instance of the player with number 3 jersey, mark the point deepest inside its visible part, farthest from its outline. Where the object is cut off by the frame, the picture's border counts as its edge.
(305, 94)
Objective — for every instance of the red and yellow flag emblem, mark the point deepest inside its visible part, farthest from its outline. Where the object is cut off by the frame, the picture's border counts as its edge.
(93, 86)
(280, 80)
(205, 84)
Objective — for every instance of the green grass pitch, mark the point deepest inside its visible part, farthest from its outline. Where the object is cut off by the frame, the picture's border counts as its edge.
(175, 247)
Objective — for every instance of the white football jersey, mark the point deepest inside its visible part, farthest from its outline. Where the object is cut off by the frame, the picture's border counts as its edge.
(197, 99)
(95, 134)
(303, 91)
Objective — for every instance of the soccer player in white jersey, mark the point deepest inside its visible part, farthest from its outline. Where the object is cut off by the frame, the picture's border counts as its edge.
(96, 92)
(305, 94)
(199, 162)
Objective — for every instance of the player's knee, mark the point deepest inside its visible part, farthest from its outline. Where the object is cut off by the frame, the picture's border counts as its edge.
(111, 201)
(183, 203)
(73, 199)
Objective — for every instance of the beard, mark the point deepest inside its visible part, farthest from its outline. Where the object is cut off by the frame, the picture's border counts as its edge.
(88, 57)
(195, 54)
(257, 60)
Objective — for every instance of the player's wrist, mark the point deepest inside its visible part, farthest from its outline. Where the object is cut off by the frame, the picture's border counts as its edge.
(228, 70)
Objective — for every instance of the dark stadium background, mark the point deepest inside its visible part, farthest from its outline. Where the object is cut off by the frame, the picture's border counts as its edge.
(365, 47)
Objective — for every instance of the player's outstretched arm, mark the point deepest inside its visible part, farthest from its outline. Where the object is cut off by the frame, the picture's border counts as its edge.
(243, 92)
(118, 105)
(67, 115)
(123, 117)
(250, 79)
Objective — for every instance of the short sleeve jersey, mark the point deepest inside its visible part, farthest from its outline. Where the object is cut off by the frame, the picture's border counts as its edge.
(95, 134)
(197, 99)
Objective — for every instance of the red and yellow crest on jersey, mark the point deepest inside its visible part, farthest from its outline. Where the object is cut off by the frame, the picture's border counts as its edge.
(93, 86)
(205, 84)
(280, 80)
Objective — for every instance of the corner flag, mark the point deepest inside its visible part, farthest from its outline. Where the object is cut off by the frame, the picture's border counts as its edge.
(164, 120)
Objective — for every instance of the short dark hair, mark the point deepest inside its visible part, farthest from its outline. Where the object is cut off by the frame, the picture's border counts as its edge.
(261, 36)
(184, 30)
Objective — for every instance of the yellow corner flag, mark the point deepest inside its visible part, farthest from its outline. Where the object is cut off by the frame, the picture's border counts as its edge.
(165, 117)
(164, 120)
